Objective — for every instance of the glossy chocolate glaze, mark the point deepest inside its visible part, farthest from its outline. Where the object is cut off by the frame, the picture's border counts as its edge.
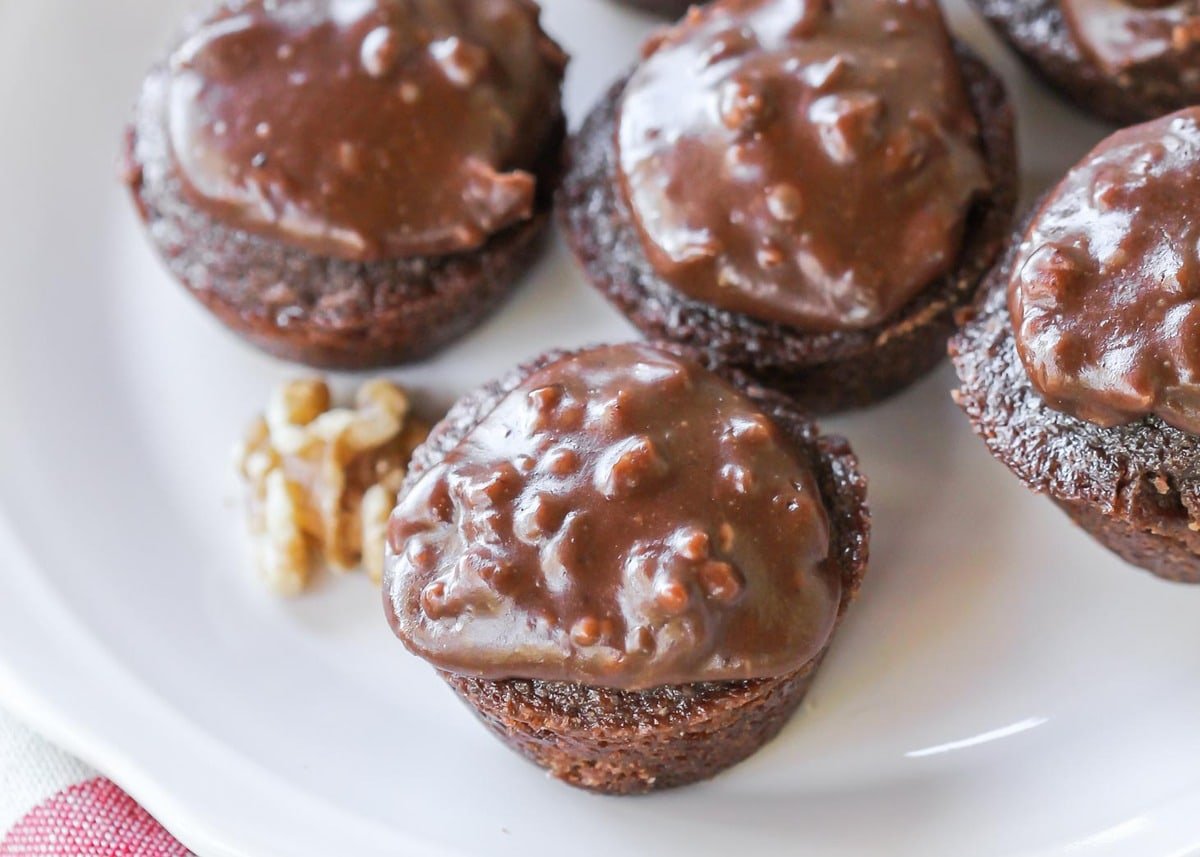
(365, 129)
(1120, 34)
(810, 162)
(1105, 290)
(625, 519)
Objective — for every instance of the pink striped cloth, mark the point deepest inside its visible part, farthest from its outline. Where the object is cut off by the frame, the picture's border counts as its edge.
(52, 805)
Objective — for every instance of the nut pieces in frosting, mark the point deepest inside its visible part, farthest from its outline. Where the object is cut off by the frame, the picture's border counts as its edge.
(1120, 35)
(622, 518)
(365, 129)
(839, 152)
(1105, 292)
(322, 481)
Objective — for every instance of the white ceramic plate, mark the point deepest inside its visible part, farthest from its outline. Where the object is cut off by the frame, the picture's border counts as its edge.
(1003, 687)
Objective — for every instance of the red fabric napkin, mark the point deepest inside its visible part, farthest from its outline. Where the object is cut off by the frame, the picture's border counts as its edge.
(52, 805)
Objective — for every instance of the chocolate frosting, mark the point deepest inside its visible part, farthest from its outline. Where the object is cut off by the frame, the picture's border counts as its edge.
(365, 129)
(1121, 34)
(1105, 293)
(810, 162)
(623, 518)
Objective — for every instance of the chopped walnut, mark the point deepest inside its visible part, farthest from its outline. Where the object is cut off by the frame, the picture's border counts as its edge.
(322, 481)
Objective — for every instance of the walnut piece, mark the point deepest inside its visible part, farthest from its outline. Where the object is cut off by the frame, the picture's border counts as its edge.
(322, 481)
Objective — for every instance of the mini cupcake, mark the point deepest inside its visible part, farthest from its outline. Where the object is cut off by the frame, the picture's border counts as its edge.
(806, 190)
(351, 183)
(1123, 60)
(1081, 366)
(627, 566)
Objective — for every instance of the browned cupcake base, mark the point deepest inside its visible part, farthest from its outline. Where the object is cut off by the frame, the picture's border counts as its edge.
(622, 743)
(629, 742)
(1038, 32)
(1159, 553)
(325, 312)
(824, 372)
(1136, 488)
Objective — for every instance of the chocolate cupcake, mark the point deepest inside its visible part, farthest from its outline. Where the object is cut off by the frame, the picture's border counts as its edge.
(1123, 60)
(351, 184)
(1081, 365)
(806, 190)
(629, 567)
